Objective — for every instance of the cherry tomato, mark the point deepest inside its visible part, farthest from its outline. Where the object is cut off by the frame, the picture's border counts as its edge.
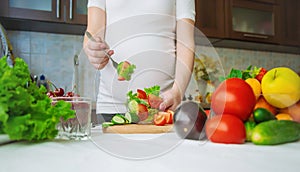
(159, 119)
(225, 128)
(234, 96)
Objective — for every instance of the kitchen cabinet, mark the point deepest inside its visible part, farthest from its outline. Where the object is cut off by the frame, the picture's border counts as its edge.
(269, 25)
(290, 26)
(253, 20)
(210, 18)
(67, 13)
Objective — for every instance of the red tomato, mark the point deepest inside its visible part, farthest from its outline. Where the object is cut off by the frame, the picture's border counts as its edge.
(141, 94)
(124, 65)
(225, 129)
(171, 114)
(142, 112)
(168, 115)
(234, 96)
(159, 119)
(154, 101)
(207, 112)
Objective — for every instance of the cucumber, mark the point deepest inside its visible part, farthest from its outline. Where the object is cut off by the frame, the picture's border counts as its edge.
(132, 118)
(118, 119)
(128, 117)
(275, 132)
(133, 107)
(107, 124)
(249, 126)
(122, 116)
(262, 114)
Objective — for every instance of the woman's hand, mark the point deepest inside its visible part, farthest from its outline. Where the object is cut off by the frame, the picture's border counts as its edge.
(95, 51)
(171, 99)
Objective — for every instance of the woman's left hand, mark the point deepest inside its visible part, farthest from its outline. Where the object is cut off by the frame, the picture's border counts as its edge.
(171, 99)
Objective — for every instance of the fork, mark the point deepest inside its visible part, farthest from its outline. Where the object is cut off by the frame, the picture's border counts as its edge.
(115, 64)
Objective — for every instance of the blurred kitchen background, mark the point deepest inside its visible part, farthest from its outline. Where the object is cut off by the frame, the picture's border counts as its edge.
(263, 33)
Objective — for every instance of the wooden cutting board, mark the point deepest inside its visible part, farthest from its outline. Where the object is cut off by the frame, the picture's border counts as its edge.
(138, 129)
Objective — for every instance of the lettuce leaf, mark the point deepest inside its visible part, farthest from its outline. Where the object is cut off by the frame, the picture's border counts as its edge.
(151, 90)
(26, 112)
(242, 74)
(133, 96)
(126, 71)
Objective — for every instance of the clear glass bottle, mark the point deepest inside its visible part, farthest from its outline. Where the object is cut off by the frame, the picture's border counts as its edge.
(43, 82)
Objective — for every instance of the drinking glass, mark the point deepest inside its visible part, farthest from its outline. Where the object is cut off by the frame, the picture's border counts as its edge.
(79, 127)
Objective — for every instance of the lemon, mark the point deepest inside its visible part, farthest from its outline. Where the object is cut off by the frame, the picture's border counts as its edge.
(284, 116)
(255, 85)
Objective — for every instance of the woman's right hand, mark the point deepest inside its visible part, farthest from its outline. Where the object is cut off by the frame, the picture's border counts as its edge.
(95, 51)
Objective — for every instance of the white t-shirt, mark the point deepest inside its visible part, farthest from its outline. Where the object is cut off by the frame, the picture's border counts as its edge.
(143, 33)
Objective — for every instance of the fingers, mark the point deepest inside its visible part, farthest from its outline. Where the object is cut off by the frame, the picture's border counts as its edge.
(110, 52)
(102, 64)
(163, 106)
(167, 105)
(171, 100)
(97, 45)
(95, 51)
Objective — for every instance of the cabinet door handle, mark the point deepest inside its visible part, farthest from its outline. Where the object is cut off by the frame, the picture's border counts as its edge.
(255, 36)
(58, 9)
(71, 10)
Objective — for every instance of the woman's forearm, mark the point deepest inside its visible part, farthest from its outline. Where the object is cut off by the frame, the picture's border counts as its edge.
(185, 54)
(96, 23)
(95, 49)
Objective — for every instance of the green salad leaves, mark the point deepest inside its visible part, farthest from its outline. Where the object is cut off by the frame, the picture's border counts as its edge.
(125, 70)
(155, 90)
(243, 74)
(26, 112)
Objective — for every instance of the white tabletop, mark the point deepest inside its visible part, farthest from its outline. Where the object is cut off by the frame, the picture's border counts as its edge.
(164, 152)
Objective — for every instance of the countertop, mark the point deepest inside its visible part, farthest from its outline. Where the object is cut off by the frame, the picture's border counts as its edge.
(146, 152)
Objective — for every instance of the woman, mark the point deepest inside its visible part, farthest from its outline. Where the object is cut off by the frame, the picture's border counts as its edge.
(157, 36)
